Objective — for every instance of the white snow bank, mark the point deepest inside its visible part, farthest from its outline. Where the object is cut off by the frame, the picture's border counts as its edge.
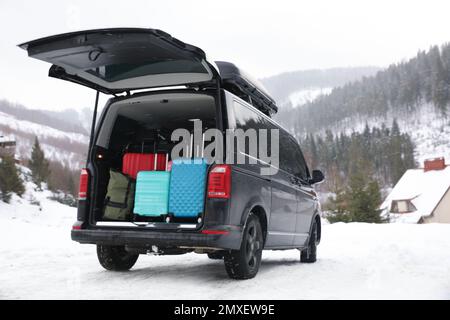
(358, 261)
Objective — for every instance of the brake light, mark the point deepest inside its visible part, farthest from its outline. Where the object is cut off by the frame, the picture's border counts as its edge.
(219, 182)
(84, 181)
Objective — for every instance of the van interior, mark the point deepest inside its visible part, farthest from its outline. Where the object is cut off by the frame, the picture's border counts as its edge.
(144, 124)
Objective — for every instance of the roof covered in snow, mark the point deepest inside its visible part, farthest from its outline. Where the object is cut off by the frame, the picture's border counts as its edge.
(6, 139)
(424, 189)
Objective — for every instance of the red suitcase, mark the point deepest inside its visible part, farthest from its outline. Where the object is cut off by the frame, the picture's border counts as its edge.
(132, 163)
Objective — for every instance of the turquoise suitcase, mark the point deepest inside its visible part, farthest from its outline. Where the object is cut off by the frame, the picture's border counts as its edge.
(152, 193)
(187, 187)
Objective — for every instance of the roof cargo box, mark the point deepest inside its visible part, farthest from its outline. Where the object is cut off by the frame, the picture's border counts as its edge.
(241, 84)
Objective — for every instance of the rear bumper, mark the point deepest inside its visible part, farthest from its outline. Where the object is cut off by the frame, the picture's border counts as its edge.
(146, 238)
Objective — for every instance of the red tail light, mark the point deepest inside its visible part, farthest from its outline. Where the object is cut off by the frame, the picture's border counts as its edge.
(219, 182)
(84, 181)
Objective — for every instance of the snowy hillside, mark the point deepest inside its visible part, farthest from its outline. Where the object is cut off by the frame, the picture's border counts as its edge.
(65, 147)
(285, 84)
(355, 261)
(306, 95)
(428, 128)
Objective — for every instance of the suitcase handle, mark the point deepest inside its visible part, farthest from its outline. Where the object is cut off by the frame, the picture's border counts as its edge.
(143, 143)
(202, 147)
(166, 164)
(142, 146)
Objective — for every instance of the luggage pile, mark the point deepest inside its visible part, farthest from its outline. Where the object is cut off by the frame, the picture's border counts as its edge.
(152, 188)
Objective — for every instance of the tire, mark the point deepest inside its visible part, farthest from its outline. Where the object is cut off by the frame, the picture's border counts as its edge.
(115, 258)
(244, 263)
(309, 255)
(216, 255)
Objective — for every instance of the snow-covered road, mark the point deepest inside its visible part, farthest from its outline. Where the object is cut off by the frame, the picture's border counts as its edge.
(358, 261)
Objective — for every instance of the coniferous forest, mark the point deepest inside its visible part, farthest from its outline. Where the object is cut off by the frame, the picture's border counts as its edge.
(401, 87)
(383, 153)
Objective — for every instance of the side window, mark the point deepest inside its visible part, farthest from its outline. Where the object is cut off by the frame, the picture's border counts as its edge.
(287, 150)
(302, 168)
(291, 157)
(246, 118)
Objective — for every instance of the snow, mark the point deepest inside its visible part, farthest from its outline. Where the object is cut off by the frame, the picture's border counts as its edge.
(306, 95)
(355, 261)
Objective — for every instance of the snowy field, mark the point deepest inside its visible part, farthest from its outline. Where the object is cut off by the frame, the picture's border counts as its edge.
(356, 261)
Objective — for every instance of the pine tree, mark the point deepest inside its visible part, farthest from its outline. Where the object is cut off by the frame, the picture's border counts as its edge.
(363, 196)
(313, 151)
(338, 207)
(438, 77)
(359, 201)
(394, 150)
(9, 179)
(408, 151)
(39, 165)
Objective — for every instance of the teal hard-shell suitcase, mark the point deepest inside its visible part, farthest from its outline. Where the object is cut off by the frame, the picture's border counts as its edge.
(152, 193)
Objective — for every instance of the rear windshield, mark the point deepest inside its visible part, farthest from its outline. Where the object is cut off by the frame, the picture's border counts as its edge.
(149, 121)
(122, 71)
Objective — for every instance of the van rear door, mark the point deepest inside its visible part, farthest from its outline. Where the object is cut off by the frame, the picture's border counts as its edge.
(122, 59)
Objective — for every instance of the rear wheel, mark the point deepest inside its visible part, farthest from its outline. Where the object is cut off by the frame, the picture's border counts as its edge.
(115, 258)
(244, 263)
(309, 255)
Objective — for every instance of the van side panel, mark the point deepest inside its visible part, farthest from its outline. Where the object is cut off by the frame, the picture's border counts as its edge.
(283, 212)
(248, 191)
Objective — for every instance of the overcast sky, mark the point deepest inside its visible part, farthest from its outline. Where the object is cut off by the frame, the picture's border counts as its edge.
(263, 37)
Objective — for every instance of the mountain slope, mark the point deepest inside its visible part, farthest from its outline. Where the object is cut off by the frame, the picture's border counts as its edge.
(62, 142)
(66, 120)
(415, 92)
(403, 87)
(282, 86)
(295, 89)
(81, 118)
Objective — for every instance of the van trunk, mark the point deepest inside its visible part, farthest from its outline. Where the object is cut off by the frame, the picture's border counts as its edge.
(144, 123)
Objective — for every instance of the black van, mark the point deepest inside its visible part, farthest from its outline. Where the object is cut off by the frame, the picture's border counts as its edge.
(158, 84)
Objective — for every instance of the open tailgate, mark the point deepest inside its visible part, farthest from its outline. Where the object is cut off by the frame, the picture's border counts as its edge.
(122, 59)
